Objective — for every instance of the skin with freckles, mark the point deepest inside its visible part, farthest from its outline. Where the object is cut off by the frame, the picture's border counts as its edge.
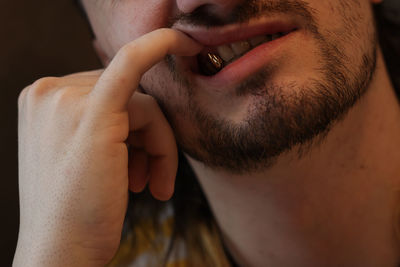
(298, 160)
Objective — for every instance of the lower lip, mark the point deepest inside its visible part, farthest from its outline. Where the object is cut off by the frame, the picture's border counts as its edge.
(247, 65)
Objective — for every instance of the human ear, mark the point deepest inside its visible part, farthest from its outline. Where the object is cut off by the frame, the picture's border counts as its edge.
(100, 53)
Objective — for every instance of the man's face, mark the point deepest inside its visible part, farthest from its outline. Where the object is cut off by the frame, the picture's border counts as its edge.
(276, 96)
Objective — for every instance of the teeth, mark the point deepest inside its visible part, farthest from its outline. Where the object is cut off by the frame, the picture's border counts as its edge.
(212, 63)
(239, 48)
(226, 52)
(258, 40)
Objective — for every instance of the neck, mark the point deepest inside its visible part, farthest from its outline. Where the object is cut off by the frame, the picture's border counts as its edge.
(334, 206)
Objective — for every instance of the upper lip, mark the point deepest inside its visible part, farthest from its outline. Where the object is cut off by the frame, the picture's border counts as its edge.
(217, 36)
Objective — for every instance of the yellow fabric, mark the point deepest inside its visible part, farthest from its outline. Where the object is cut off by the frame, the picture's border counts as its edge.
(178, 263)
(149, 247)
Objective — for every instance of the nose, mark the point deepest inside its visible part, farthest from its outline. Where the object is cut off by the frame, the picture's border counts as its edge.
(218, 6)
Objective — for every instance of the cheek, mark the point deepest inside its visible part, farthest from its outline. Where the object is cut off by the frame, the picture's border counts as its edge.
(346, 18)
(134, 18)
(347, 25)
(336, 15)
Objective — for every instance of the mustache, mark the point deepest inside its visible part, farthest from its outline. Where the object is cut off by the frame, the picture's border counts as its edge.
(206, 15)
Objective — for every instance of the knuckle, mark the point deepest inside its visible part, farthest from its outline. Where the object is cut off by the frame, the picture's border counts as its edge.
(63, 97)
(42, 86)
(45, 82)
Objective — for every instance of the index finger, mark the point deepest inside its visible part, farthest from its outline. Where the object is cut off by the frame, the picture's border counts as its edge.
(121, 78)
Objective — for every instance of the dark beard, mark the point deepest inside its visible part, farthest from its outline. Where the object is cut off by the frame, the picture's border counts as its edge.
(282, 117)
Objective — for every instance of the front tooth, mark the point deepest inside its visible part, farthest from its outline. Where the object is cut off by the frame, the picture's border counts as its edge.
(240, 48)
(225, 52)
(258, 40)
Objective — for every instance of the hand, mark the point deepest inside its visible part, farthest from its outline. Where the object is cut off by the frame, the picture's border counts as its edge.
(74, 168)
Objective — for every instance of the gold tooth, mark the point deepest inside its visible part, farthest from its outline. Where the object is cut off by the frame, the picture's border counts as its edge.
(216, 60)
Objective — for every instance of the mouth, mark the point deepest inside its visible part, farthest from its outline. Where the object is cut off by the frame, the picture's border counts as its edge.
(238, 48)
(214, 59)
(233, 53)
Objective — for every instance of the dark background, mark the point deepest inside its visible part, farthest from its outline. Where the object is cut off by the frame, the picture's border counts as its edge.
(38, 38)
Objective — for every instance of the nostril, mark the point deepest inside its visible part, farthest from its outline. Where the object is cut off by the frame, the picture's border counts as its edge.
(189, 6)
(216, 7)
